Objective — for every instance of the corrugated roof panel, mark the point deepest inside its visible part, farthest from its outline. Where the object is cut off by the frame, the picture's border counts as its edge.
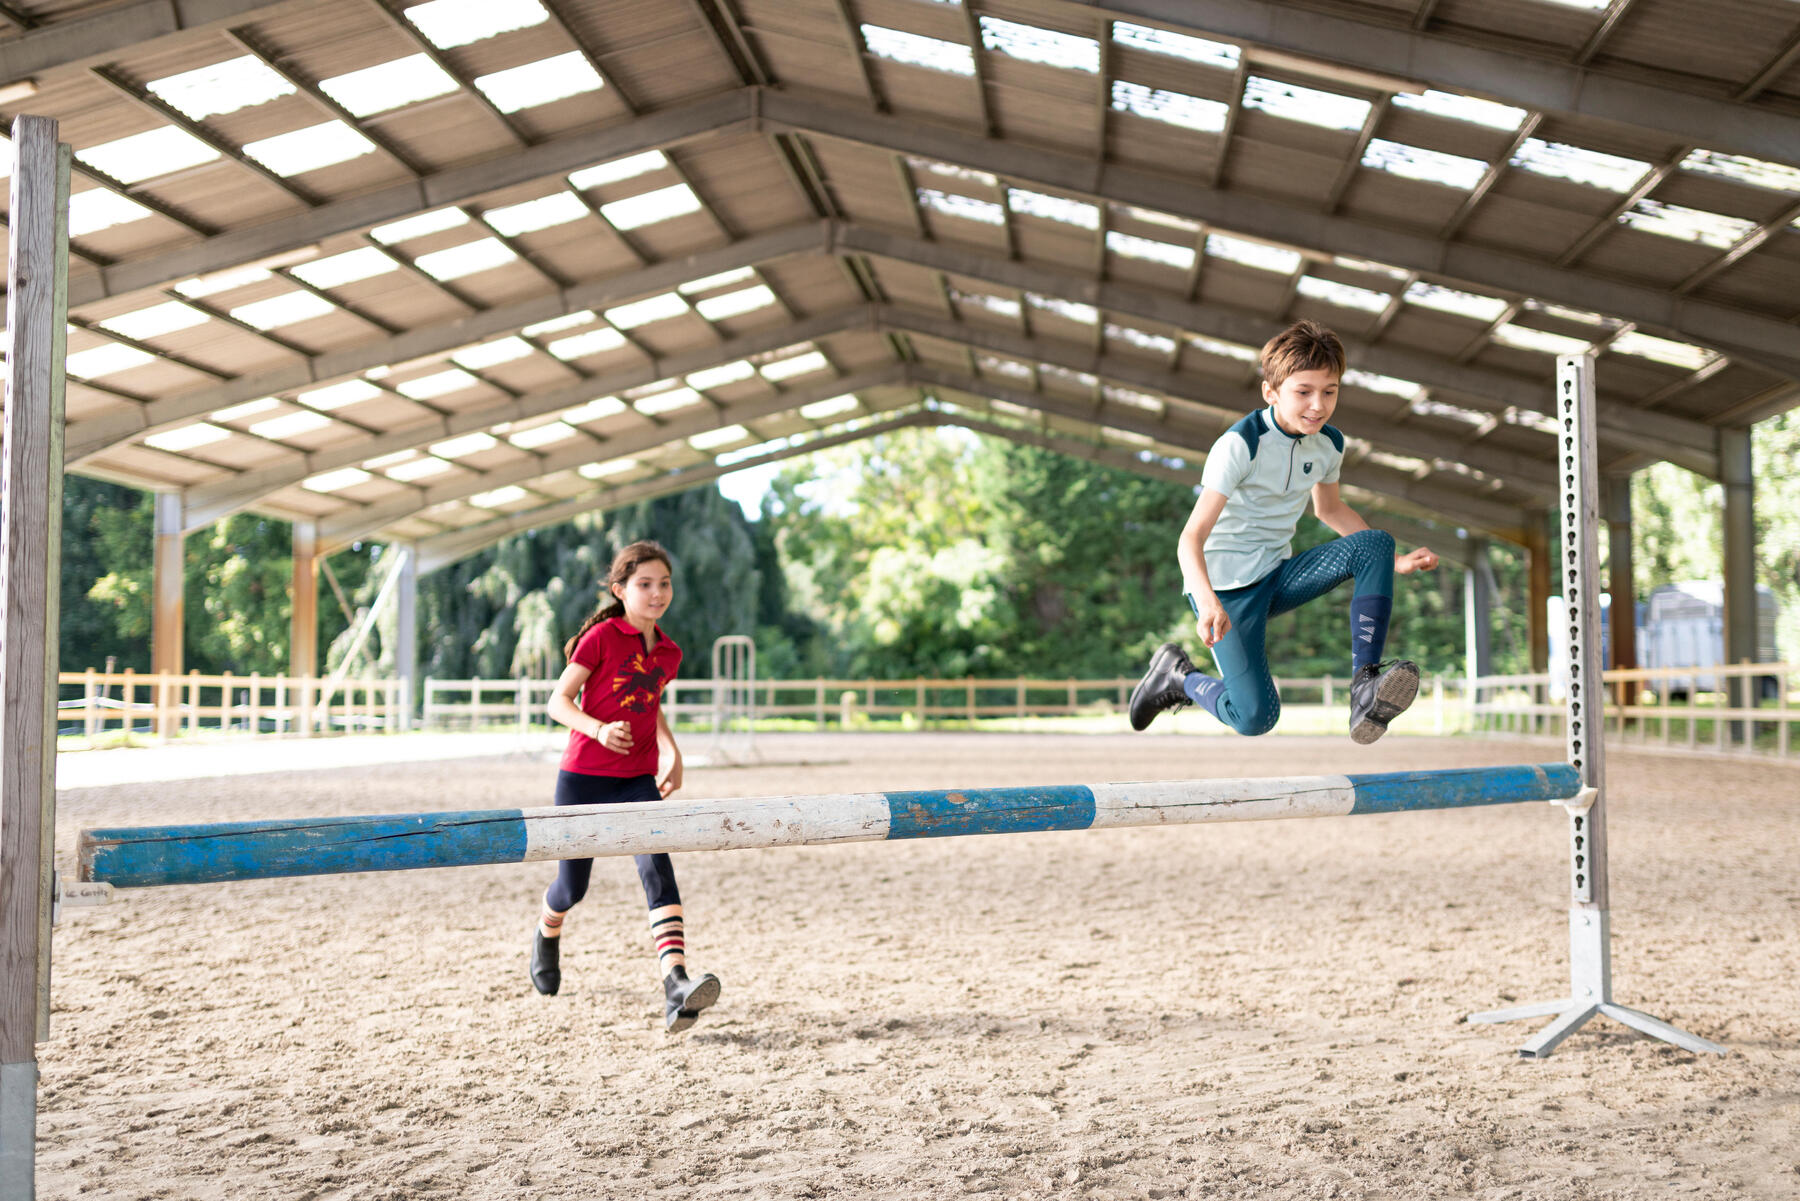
(156, 467)
(1647, 258)
(1536, 230)
(575, 113)
(1144, 142)
(655, 53)
(1440, 133)
(1725, 40)
(745, 184)
(1172, 74)
(1724, 390)
(1413, 204)
(1046, 244)
(1555, 28)
(1255, 166)
(224, 194)
(1762, 279)
(441, 133)
(1713, 194)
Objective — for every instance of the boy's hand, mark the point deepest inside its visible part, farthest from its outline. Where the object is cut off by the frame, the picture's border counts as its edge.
(1423, 559)
(1212, 620)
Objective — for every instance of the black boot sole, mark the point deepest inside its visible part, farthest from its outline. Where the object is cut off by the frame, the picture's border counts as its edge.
(1393, 695)
(704, 996)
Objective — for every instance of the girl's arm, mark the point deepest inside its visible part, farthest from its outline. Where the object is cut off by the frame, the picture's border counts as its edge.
(671, 774)
(1332, 510)
(1190, 551)
(614, 736)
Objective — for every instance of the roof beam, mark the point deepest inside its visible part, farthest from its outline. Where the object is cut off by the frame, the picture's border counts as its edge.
(92, 40)
(89, 438)
(1499, 74)
(1743, 334)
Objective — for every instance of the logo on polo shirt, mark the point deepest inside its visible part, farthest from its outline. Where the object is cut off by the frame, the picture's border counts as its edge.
(1306, 467)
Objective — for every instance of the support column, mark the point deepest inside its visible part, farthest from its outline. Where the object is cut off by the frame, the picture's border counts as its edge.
(1537, 593)
(1619, 583)
(31, 491)
(406, 634)
(1478, 613)
(1737, 473)
(167, 579)
(303, 626)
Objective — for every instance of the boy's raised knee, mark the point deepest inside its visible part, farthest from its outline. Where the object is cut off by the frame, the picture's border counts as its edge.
(1377, 541)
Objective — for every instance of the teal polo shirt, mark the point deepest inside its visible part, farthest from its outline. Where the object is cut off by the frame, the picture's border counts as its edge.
(1267, 476)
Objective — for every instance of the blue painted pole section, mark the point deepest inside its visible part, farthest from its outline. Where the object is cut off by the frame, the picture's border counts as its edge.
(1405, 791)
(206, 854)
(947, 813)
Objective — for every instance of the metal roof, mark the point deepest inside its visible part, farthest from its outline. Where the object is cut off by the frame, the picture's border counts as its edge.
(443, 271)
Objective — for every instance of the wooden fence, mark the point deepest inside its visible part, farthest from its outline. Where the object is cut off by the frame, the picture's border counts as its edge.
(95, 704)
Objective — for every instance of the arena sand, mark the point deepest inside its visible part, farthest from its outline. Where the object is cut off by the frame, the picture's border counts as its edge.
(1231, 1011)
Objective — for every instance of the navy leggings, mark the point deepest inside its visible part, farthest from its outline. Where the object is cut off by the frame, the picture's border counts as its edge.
(655, 871)
(1248, 702)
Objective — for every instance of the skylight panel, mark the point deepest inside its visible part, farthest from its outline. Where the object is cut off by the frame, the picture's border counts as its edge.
(1224, 349)
(1610, 172)
(1449, 300)
(1253, 254)
(509, 494)
(713, 439)
(542, 435)
(1386, 384)
(389, 85)
(1176, 45)
(1312, 106)
(1133, 247)
(1004, 306)
(579, 346)
(1664, 350)
(916, 50)
(1132, 397)
(336, 481)
(1371, 268)
(667, 402)
(309, 149)
(447, 24)
(1034, 45)
(222, 281)
(1127, 436)
(1156, 217)
(336, 396)
(440, 383)
(1142, 339)
(458, 261)
(1430, 166)
(1686, 224)
(248, 409)
(1174, 108)
(558, 208)
(596, 471)
(619, 170)
(1086, 314)
(97, 209)
(594, 410)
(467, 444)
(188, 437)
(363, 263)
(558, 324)
(290, 425)
(661, 205)
(954, 204)
(1074, 377)
(734, 304)
(491, 354)
(419, 226)
(1587, 5)
(146, 155)
(224, 87)
(1741, 168)
(155, 321)
(952, 171)
(1346, 296)
(721, 280)
(285, 309)
(643, 312)
(718, 377)
(1406, 463)
(1054, 208)
(1457, 107)
(416, 469)
(1011, 368)
(803, 364)
(1426, 406)
(542, 82)
(835, 406)
(1521, 337)
(1578, 316)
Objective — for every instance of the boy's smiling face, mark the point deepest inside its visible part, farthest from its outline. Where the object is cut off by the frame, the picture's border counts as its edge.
(1305, 400)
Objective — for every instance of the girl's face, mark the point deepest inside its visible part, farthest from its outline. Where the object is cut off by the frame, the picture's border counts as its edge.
(1305, 400)
(646, 595)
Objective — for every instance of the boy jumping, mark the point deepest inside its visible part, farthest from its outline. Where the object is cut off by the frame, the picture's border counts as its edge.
(1237, 563)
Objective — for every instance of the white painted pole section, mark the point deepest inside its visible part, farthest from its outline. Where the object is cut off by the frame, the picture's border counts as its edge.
(1185, 801)
(581, 831)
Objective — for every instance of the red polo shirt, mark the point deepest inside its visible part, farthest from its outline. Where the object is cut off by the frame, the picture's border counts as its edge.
(624, 683)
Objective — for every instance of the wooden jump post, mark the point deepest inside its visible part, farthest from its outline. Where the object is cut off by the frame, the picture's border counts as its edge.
(146, 857)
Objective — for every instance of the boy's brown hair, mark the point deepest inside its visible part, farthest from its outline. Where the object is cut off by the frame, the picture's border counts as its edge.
(1302, 346)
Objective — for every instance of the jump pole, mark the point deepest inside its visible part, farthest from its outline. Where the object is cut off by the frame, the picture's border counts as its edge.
(1590, 923)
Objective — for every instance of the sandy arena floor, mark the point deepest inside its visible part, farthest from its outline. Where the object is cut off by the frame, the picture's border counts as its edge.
(1230, 1011)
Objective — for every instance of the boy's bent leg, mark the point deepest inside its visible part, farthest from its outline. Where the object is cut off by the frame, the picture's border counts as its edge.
(1367, 557)
(1244, 696)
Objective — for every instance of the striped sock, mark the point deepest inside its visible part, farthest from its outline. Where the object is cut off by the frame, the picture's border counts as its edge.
(550, 922)
(668, 938)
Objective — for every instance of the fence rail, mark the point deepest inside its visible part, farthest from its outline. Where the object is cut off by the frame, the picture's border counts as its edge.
(96, 703)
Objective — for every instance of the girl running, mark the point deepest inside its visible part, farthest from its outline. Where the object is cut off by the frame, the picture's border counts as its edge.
(610, 697)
